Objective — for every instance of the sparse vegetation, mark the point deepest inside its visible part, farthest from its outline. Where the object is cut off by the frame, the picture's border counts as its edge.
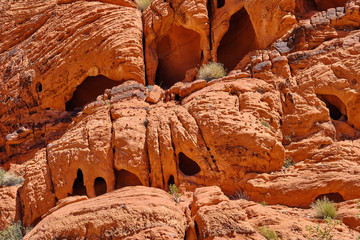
(143, 4)
(212, 70)
(288, 163)
(9, 179)
(14, 232)
(174, 191)
(324, 208)
(260, 90)
(268, 233)
(265, 123)
(325, 233)
(239, 195)
(263, 203)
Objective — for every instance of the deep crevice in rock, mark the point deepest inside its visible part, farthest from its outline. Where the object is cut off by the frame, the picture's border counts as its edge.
(88, 90)
(78, 186)
(177, 51)
(124, 178)
(237, 41)
(99, 186)
(337, 108)
(188, 166)
(334, 197)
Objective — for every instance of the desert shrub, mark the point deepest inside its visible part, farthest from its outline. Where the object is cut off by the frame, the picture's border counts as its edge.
(212, 70)
(14, 232)
(264, 203)
(268, 233)
(174, 191)
(143, 4)
(288, 163)
(324, 208)
(325, 233)
(9, 179)
(239, 194)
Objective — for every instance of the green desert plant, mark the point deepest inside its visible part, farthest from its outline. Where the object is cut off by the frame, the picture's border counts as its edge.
(263, 203)
(174, 191)
(9, 179)
(265, 123)
(143, 4)
(212, 70)
(322, 233)
(288, 163)
(268, 233)
(324, 208)
(14, 232)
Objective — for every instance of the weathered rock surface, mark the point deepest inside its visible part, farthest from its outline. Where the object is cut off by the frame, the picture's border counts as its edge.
(47, 50)
(9, 206)
(37, 194)
(137, 212)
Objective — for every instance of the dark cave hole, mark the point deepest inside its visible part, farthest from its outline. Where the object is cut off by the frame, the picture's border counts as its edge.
(323, 5)
(334, 197)
(171, 180)
(220, 3)
(177, 52)
(237, 41)
(304, 6)
(88, 90)
(197, 231)
(78, 186)
(99, 186)
(337, 108)
(39, 87)
(125, 178)
(188, 166)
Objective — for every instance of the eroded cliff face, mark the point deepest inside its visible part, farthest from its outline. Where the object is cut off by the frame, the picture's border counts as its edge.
(78, 121)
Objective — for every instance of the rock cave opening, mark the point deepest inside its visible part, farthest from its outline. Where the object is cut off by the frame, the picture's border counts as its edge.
(78, 186)
(88, 90)
(323, 5)
(334, 197)
(237, 41)
(304, 6)
(220, 3)
(171, 180)
(188, 166)
(39, 87)
(178, 51)
(124, 178)
(337, 108)
(99, 186)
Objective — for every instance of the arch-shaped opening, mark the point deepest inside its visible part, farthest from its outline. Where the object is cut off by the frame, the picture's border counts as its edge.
(178, 51)
(171, 180)
(78, 186)
(337, 108)
(323, 5)
(304, 6)
(334, 197)
(220, 3)
(125, 178)
(188, 166)
(237, 41)
(99, 186)
(88, 90)
(39, 87)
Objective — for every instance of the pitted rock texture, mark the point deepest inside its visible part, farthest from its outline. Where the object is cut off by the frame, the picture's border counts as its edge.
(125, 141)
(133, 211)
(9, 206)
(47, 50)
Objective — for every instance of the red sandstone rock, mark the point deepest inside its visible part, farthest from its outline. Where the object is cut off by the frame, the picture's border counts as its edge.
(155, 94)
(47, 51)
(37, 195)
(9, 206)
(134, 211)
